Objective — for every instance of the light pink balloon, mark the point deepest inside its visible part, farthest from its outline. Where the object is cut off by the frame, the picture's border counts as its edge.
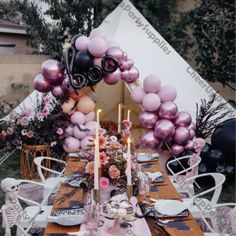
(131, 76)
(137, 95)
(90, 116)
(191, 133)
(167, 110)
(69, 130)
(113, 78)
(71, 145)
(151, 102)
(81, 43)
(77, 133)
(91, 125)
(177, 149)
(96, 32)
(111, 44)
(97, 62)
(86, 142)
(181, 135)
(149, 140)
(189, 145)
(183, 118)
(97, 47)
(78, 118)
(167, 93)
(115, 52)
(152, 84)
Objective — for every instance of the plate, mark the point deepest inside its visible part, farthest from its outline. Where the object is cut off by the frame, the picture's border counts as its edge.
(156, 177)
(146, 157)
(74, 180)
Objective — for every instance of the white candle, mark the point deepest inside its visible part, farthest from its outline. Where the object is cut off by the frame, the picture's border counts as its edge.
(97, 154)
(98, 123)
(128, 115)
(96, 164)
(128, 170)
(119, 118)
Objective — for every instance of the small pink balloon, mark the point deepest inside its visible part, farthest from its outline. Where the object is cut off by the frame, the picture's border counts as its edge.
(97, 62)
(191, 133)
(125, 65)
(111, 44)
(181, 135)
(90, 116)
(189, 145)
(192, 126)
(41, 84)
(97, 47)
(57, 91)
(130, 64)
(115, 52)
(78, 118)
(133, 75)
(86, 142)
(125, 56)
(137, 94)
(148, 119)
(66, 86)
(183, 119)
(81, 43)
(91, 125)
(151, 102)
(69, 130)
(177, 149)
(164, 128)
(149, 140)
(152, 84)
(77, 133)
(113, 78)
(71, 145)
(96, 32)
(167, 110)
(167, 93)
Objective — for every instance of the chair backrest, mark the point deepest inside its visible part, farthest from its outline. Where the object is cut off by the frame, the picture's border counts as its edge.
(219, 180)
(38, 162)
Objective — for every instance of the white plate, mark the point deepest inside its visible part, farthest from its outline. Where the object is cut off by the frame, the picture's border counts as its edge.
(154, 175)
(142, 157)
(169, 207)
(68, 220)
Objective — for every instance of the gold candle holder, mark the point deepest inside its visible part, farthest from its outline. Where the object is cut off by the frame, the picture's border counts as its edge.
(129, 191)
(96, 196)
(99, 173)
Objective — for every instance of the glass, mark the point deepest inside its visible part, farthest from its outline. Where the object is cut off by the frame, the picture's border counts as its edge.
(92, 218)
(144, 186)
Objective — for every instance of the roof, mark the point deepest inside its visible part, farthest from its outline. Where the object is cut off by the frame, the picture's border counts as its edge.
(12, 28)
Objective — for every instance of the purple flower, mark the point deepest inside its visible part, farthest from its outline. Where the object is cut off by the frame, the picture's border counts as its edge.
(10, 131)
(46, 99)
(45, 111)
(59, 131)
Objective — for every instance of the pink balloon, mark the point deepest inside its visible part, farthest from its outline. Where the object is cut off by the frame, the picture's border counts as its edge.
(71, 145)
(167, 110)
(115, 52)
(85, 104)
(181, 135)
(96, 32)
(81, 43)
(152, 84)
(131, 75)
(177, 149)
(90, 116)
(77, 133)
(57, 91)
(91, 125)
(151, 102)
(126, 65)
(78, 118)
(189, 145)
(192, 126)
(66, 86)
(183, 119)
(97, 47)
(69, 130)
(113, 78)
(41, 84)
(125, 56)
(97, 62)
(191, 133)
(52, 71)
(149, 140)
(86, 142)
(137, 94)
(167, 93)
(164, 129)
(148, 119)
(111, 44)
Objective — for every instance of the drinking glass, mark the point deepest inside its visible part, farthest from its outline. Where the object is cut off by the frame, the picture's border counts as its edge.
(92, 218)
(144, 187)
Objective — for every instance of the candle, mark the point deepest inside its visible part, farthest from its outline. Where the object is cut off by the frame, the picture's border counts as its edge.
(128, 171)
(128, 115)
(119, 117)
(98, 123)
(97, 153)
(96, 164)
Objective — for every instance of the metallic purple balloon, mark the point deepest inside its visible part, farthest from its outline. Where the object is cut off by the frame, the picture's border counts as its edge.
(167, 110)
(53, 71)
(57, 91)
(189, 145)
(148, 119)
(177, 149)
(164, 128)
(113, 78)
(115, 52)
(66, 86)
(131, 75)
(192, 126)
(41, 84)
(149, 140)
(191, 133)
(183, 119)
(181, 135)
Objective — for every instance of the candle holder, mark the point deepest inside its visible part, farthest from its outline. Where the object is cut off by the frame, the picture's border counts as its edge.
(96, 195)
(99, 173)
(129, 190)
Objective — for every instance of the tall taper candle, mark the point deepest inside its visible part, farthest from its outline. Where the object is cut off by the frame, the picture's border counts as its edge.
(128, 115)
(129, 182)
(119, 117)
(96, 165)
(97, 154)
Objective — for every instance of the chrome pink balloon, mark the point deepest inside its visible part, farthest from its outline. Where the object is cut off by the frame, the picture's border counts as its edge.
(151, 102)
(115, 52)
(81, 43)
(177, 149)
(167, 110)
(149, 140)
(192, 126)
(164, 128)
(191, 133)
(181, 135)
(189, 145)
(167, 93)
(133, 75)
(57, 91)
(97, 47)
(152, 84)
(137, 94)
(41, 84)
(148, 119)
(183, 119)
(52, 71)
(113, 78)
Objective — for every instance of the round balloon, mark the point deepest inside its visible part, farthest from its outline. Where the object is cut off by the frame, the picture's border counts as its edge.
(71, 145)
(148, 119)
(83, 61)
(151, 102)
(149, 140)
(90, 116)
(167, 93)
(97, 47)
(41, 84)
(80, 93)
(68, 106)
(87, 142)
(78, 133)
(164, 128)
(183, 119)
(215, 157)
(91, 125)
(69, 131)
(167, 110)
(113, 78)
(78, 118)
(177, 149)
(81, 43)
(152, 84)
(85, 105)
(189, 145)
(57, 91)
(115, 52)
(137, 94)
(96, 32)
(181, 135)
(132, 75)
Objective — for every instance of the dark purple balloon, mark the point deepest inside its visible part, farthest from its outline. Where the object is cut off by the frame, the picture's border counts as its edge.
(191, 133)
(183, 119)
(189, 145)
(181, 135)
(149, 140)
(192, 126)
(177, 149)
(167, 110)
(164, 128)
(148, 119)
(53, 71)
(57, 91)
(41, 84)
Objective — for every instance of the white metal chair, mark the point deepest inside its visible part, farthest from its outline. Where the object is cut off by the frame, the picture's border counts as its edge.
(224, 224)
(51, 183)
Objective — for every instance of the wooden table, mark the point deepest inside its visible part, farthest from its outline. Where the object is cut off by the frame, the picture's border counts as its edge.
(165, 191)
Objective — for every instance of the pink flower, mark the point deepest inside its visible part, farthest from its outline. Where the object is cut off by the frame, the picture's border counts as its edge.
(104, 183)
(24, 121)
(45, 111)
(30, 134)
(89, 168)
(114, 172)
(102, 141)
(46, 99)
(26, 113)
(104, 158)
(199, 143)
(40, 116)
(59, 131)
(10, 131)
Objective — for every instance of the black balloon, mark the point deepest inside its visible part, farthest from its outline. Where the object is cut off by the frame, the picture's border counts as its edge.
(230, 172)
(83, 61)
(205, 150)
(220, 169)
(214, 158)
(202, 168)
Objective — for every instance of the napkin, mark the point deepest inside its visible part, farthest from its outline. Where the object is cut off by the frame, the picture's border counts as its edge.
(79, 233)
(154, 175)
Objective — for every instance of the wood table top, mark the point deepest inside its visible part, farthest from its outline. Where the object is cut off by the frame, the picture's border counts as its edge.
(165, 191)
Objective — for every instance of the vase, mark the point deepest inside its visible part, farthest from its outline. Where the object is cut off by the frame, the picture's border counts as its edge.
(28, 168)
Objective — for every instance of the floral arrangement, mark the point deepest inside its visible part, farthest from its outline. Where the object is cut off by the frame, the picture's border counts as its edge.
(43, 125)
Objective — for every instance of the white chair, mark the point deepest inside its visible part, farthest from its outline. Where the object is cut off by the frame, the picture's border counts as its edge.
(223, 224)
(51, 183)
